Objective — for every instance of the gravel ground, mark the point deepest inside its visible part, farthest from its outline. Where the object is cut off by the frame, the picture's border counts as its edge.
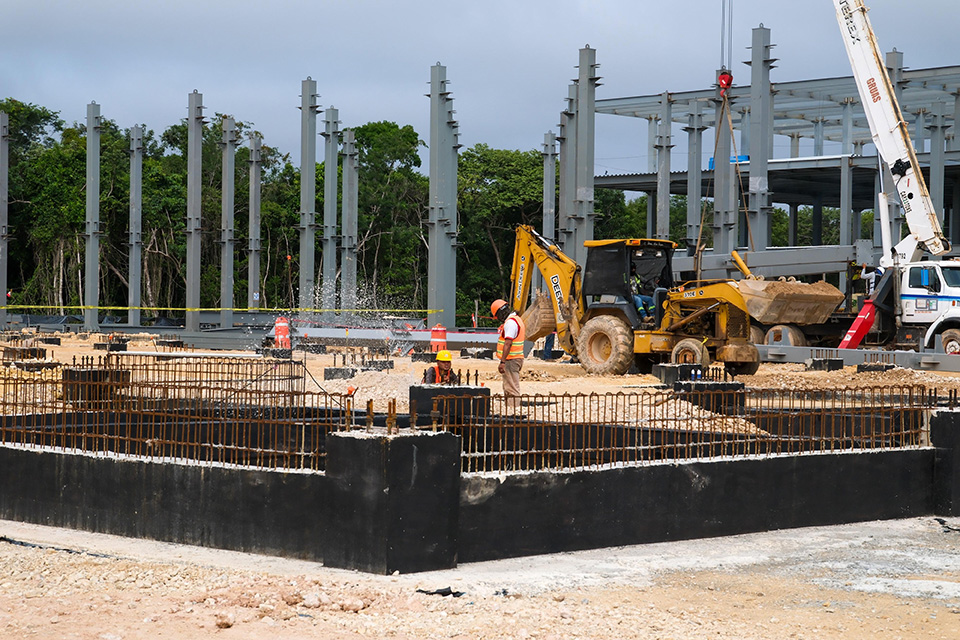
(892, 579)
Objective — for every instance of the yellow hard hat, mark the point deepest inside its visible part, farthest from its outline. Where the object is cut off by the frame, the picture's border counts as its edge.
(496, 306)
(444, 356)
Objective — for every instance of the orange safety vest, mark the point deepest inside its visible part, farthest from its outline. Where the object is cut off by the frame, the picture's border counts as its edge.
(438, 377)
(516, 349)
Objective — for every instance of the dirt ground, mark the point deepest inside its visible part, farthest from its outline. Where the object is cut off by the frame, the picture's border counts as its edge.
(894, 579)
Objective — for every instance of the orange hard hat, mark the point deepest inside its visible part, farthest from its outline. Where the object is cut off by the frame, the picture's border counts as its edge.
(496, 306)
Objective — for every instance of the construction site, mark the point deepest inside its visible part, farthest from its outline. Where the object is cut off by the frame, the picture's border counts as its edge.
(760, 389)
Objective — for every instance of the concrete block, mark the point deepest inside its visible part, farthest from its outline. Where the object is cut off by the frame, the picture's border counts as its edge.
(418, 356)
(945, 436)
(824, 364)
(867, 367)
(472, 405)
(394, 501)
(281, 354)
(338, 373)
(110, 346)
(671, 373)
(49, 340)
(376, 365)
(170, 344)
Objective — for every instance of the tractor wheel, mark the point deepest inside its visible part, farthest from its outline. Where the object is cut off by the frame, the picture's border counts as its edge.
(605, 346)
(741, 368)
(950, 339)
(690, 351)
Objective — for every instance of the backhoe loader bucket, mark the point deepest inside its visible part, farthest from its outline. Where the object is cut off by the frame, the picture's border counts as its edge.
(782, 302)
(539, 319)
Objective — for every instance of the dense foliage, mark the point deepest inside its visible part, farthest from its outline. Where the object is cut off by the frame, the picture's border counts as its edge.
(498, 189)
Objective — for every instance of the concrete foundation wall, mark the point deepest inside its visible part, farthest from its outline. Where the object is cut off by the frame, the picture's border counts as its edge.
(266, 512)
(516, 515)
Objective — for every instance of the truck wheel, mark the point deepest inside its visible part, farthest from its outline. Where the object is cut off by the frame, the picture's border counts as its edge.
(605, 346)
(690, 351)
(950, 339)
(756, 334)
(786, 335)
(741, 368)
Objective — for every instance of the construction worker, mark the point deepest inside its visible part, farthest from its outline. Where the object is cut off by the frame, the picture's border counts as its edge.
(442, 371)
(642, 292)
(509, 350)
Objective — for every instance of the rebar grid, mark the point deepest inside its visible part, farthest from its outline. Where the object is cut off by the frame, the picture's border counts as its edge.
(233, 411)
(577, 431)
(257, 412)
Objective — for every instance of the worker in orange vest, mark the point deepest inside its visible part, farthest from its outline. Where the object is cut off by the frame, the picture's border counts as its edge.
(281, 333)
(509, 350)
(442, 370)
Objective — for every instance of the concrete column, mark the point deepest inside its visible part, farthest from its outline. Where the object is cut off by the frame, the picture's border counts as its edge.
(135, 268)
(308, 192)
(91, 279)
(955, 129)
(794, 145)
(350, 217)
(938, 134)
(945, 438)
(663, 167)
(253, 242)
(194, 178)
(818, 137)
(761, 149)
(227, 197)
(586, 126)
(694, 131)
(395, 502)
(4, 212)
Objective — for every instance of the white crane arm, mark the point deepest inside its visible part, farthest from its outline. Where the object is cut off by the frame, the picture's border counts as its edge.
(887, 126)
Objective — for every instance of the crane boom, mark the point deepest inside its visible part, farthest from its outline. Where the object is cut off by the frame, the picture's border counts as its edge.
(889, 130)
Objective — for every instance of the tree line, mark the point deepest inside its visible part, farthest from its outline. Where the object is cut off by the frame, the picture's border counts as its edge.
(497, 190)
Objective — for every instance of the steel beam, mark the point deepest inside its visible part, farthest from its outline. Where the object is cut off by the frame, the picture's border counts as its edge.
(348, 255)
(761, 136)
(331, 135)
(775, 261)
(4, 212)
(442, 215)
(694, 130)
(663, 147)
(135, 267)
(725, 201)
(568, 171)
(253, 234)
(227, 193)
(308, 192)
(587, 81)
(938, 134)
(549, 153)
(91, 279)
(194, 178)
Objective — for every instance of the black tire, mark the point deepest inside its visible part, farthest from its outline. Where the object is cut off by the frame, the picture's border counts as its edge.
(741, 368)
(690, 351)
(950, 339)
(605, 346)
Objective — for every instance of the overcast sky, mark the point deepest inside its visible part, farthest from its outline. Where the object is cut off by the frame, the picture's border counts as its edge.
(509, 62)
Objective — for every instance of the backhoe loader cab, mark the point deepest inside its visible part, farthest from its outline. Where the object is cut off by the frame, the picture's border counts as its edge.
(606, 280)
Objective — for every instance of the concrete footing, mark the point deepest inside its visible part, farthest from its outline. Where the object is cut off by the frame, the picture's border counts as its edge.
(824, 364)
(395, 498)
(472, 403)
(338, 373)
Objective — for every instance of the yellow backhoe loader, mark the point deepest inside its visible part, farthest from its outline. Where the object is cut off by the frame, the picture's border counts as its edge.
(592, 309)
